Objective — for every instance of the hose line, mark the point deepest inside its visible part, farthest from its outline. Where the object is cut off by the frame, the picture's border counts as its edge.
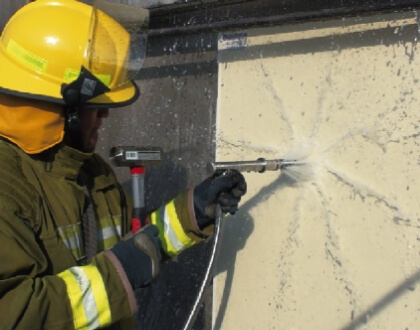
(209, 271)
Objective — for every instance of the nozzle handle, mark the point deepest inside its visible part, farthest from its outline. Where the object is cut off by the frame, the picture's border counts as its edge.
(260, 165)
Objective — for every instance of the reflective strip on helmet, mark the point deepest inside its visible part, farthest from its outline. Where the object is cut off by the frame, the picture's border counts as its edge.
(25, 56)
(88, 297)
(173, 237)
(72, 74)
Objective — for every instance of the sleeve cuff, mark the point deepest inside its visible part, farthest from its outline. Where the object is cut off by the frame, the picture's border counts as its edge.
(124, 279)
(203, 234)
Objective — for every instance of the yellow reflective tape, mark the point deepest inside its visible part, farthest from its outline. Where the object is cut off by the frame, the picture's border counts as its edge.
(157, 219)
(175, 222)
(88, 297)
(72, 74)
(25, 56)
(172, 235)
(105, 78)
(76, 299)
(100, 295)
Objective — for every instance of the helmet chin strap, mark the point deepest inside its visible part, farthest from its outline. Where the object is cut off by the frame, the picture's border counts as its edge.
(75, 95)
(73, 128)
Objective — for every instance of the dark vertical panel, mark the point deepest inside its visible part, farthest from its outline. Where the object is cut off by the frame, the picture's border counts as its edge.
(176, 111)
(8, 8)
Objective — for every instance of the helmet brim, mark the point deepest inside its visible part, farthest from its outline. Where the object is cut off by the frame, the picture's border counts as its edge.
(47, 90)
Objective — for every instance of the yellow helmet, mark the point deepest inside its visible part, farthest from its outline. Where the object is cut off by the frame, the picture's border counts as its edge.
(70, 53)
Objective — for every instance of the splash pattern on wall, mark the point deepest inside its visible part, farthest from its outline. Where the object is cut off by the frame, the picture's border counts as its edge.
(340, 250)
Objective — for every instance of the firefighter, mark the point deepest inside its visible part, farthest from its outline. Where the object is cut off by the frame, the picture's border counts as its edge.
(64, 261)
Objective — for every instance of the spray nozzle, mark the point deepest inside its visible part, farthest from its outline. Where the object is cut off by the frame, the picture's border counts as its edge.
(260, 165)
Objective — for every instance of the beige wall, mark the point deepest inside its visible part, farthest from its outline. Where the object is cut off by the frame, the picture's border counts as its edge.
(340, 249)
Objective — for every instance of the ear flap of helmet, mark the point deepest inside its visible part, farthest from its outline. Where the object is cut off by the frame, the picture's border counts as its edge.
(84, 88)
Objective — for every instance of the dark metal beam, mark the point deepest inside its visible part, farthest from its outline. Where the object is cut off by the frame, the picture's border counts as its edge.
(200, 16)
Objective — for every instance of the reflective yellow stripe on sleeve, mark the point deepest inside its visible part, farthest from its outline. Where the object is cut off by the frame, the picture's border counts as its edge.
(88, 297)
(174, 239)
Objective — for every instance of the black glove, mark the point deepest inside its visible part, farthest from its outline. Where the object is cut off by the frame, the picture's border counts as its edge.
(225, 188)
(140, 256)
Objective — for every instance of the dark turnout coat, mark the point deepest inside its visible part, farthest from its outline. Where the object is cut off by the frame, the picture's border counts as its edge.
(45, 282)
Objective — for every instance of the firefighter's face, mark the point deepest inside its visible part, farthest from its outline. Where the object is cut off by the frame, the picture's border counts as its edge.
(90, 123)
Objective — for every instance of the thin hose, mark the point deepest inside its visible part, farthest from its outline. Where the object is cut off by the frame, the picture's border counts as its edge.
(208, 275)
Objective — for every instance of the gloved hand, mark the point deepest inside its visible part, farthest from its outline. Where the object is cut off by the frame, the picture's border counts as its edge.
(140, 256)
(225, 188)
